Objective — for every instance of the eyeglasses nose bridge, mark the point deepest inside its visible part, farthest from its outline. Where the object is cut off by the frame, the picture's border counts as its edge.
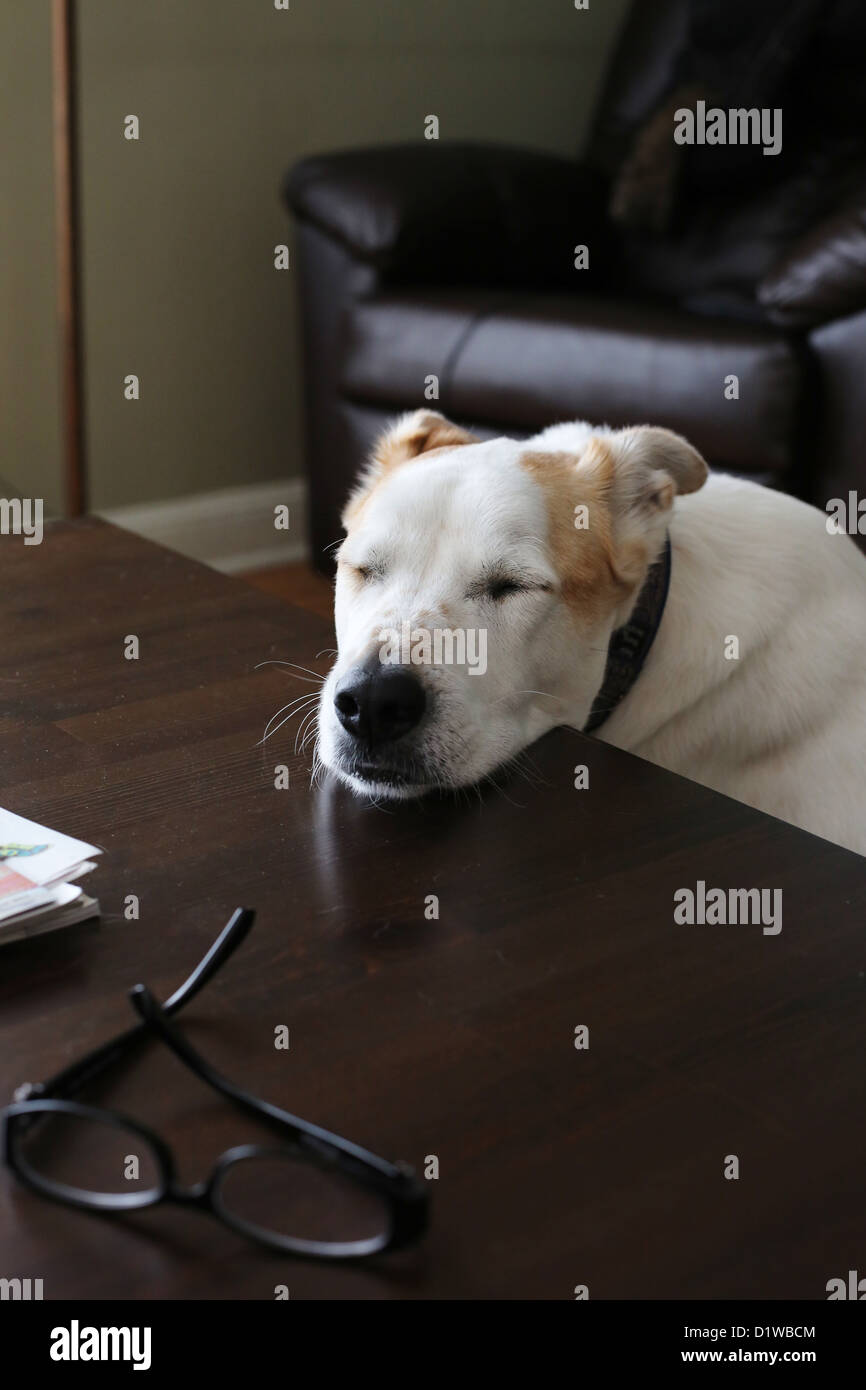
(198, 1195)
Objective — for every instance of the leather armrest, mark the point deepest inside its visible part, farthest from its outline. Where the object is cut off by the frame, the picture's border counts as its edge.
(823, 275)
(458, 213)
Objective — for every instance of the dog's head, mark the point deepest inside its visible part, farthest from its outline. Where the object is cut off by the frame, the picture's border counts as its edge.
(477, 590)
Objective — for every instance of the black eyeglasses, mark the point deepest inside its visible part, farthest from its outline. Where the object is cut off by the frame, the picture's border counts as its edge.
(313, 1194)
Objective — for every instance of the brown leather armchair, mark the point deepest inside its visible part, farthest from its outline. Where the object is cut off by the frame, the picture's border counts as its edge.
(445, 274)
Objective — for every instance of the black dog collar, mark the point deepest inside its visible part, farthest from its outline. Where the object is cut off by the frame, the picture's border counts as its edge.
(630, 644)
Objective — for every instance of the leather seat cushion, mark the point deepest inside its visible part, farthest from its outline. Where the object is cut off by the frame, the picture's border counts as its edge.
(525, 361)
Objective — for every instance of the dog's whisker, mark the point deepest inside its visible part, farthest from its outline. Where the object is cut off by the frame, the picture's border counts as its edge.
(294, 667)
(502, 791)
(298, 733)
(527, 763)
(298, 700)
(513, 694)
(311, 733)
(301, 703)
(310, 714)
(311, 710)
(317, 770)
(530, 775)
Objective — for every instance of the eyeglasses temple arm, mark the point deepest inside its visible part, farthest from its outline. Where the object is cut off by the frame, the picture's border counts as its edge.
(89, 1066)
(154, 1018)
(229, 939)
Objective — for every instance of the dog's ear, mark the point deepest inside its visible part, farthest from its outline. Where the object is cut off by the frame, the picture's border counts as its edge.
(651, 466)
(417, 432)
(640, 472)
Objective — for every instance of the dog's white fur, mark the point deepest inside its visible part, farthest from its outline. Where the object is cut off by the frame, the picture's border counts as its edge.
(782, 728)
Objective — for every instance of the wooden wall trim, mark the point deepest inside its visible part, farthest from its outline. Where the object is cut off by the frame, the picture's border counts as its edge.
(64, 87)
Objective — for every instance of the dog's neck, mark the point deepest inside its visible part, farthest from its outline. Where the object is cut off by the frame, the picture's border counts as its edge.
(630, 644)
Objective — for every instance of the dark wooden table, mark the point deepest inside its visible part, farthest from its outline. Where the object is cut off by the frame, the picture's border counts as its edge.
(451, 1037)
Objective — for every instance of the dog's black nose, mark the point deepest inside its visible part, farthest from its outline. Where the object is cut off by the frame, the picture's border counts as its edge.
(377, 704)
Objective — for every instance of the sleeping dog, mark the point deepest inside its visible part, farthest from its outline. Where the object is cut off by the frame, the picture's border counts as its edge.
(708, 624)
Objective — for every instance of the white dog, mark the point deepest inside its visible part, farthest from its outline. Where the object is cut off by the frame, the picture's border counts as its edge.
(735, 655)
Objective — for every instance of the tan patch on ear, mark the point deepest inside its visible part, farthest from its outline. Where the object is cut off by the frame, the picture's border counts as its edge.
(584, 559)
(421, 432)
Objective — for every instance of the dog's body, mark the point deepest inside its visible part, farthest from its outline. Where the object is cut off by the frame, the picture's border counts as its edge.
(755, 683)
(783, 726)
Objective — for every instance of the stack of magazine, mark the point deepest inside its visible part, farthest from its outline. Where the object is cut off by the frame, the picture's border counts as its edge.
(38, 873)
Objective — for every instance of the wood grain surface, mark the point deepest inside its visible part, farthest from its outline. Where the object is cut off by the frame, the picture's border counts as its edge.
(451, 1038)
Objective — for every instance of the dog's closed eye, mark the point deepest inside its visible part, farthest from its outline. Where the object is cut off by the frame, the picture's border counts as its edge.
(498, 589)
(502, 586)
(366, 571)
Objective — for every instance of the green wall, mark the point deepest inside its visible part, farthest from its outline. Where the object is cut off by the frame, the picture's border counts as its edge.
(179, 227)
(30, 441)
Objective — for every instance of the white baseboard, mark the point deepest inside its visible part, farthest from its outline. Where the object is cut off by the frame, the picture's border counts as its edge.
(231, 530)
